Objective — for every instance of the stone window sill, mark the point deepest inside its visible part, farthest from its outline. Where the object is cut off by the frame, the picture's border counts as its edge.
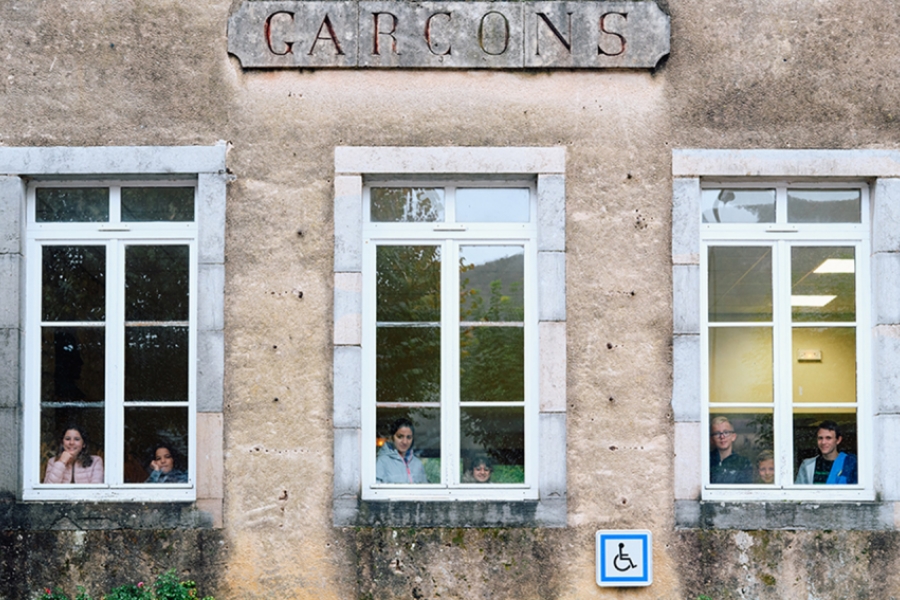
(785, 515)
(368, 513)
(85, 516)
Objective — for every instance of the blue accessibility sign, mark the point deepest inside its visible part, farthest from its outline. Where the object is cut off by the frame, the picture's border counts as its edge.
(624, 558)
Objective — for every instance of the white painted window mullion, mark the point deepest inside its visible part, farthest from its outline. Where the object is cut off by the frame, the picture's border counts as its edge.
(450, 413)
(782, 336)
(114, 393)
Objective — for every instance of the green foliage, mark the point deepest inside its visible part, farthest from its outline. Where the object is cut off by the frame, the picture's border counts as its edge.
(408, 309)
(129, 592)
(407, 205)
(166, 587)
(502, 473)
(508, 474)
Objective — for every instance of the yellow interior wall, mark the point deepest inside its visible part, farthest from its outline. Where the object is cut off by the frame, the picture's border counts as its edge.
(740, 364)
(834, 378)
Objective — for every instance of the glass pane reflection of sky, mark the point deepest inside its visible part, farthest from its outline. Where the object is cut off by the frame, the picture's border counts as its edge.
(492, 205)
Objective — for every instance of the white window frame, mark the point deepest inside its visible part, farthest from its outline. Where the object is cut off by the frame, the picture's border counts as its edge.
(206, 165)
(115, 235)
(781, 236)
(449, 235)
(880, 169)
(355, 166)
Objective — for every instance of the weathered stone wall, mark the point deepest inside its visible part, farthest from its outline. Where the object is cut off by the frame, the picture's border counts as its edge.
(769, 74)
(100, 560)
(779, 564)
(788, 74)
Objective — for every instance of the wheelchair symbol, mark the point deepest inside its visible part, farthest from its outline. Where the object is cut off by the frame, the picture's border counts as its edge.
(623, 559)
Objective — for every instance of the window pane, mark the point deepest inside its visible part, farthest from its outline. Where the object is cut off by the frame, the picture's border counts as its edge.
(156, 364)
(493, 205)
(406, 204)
(492, 443)
(824, 362)
(71, 205)
(408, 364)
(157, 283)
(823, 284)
(492, 364)
(73, 366)
(824, 206)
(738, 443)
(83, 458)
(157, 203)
(819, 437)
(423, 463)
(73, 283)
(152, 433)
(740, 283)
(491, 280)
(740, 364)
(408, 283)
(738, 206)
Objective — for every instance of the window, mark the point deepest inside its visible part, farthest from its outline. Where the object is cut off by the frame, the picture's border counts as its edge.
(446, 340)
(449, 334)
(782, 308)
(788, 258)
(111, 317)
(111, 345)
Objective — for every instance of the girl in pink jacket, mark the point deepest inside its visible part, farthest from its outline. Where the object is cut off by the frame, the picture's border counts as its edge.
(73, 462)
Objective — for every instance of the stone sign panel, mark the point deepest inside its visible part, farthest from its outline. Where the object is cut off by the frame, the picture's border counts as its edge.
(455, 35)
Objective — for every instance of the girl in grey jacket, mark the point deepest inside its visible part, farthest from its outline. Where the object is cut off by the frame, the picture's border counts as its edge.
(396, 462)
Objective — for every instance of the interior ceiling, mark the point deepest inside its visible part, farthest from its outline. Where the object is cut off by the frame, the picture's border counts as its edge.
(740, 283)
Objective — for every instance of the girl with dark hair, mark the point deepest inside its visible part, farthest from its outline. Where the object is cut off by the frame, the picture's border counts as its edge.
(396, 462)
(165, 466)
(74, 462)
(482, 469)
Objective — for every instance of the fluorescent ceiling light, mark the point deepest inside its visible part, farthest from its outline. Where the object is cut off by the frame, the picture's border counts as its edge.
(837, 265)
(813, 301)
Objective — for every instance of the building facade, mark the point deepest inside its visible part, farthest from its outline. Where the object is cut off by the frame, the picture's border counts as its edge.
(559, 243)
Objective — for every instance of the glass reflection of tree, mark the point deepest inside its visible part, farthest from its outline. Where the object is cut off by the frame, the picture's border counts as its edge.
(73, 290)
(492, 358)
(824, 206)
(731, 202)
(157, 283)
(157, 311)
(763, 430)
(417, 205)
(157, 204)
(73, 283)
(408, 291)
(67, 366)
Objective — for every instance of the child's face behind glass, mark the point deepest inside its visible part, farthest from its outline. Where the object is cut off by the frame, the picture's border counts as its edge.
(481, 473)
